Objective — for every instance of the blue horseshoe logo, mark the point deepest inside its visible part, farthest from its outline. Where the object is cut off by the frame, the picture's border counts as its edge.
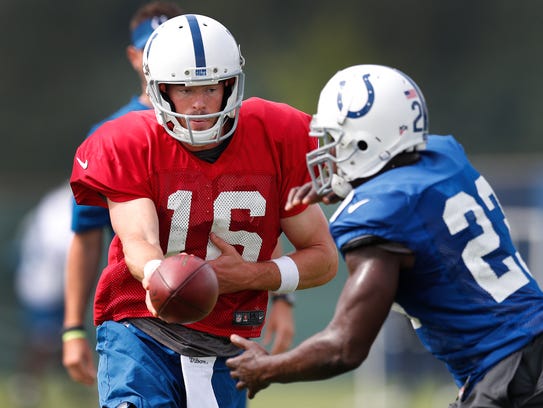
(367, 106)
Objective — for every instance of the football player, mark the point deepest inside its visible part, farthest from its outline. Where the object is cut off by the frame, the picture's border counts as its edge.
(207, 175)
(422, 231)
(90, 224)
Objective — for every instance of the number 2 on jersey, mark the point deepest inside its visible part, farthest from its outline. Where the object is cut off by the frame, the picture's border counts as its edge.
(454, 215)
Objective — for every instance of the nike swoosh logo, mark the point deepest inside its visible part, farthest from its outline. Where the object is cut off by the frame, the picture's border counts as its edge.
(83, 164)
(353, 207)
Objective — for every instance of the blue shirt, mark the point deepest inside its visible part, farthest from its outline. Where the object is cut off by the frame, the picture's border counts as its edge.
(85, 217)
(470, 295)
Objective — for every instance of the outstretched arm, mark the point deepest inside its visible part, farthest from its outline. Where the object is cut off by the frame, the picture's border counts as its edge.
(136, 224)
(343, 345)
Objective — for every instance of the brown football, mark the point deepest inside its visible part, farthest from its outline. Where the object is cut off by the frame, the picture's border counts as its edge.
(183, 289)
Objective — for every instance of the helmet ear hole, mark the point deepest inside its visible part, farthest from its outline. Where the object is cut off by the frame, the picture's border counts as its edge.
(362, 145)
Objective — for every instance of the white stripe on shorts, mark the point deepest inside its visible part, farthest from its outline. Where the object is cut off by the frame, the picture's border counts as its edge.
(197, 372)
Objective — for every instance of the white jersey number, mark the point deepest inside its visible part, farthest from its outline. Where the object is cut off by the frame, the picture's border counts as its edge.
(180, 202)
(454, 215)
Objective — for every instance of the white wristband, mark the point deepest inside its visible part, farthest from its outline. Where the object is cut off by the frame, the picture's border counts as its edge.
(290, 276)
(150, 267)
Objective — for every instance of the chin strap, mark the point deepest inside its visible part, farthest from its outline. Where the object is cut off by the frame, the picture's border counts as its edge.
(340, 186)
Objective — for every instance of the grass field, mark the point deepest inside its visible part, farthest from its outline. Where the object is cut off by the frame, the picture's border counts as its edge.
(343, 394)
(58, 392)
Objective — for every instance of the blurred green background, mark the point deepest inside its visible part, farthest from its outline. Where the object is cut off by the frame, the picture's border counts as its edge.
(478, 63)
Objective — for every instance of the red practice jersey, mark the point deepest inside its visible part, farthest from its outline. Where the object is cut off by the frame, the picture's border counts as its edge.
(240, 197)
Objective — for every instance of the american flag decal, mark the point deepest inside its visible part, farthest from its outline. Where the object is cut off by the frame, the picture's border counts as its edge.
(410, 94)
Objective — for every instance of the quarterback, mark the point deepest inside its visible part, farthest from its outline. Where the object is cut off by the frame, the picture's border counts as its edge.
(205, 174)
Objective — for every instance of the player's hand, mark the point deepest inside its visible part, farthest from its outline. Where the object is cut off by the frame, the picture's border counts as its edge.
(78, 360)
(230, 267)
(149, 304)
(248, 367)
(145, 283)
(306, 194)
(280, 327)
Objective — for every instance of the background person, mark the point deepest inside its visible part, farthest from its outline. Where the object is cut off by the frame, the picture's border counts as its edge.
(43, 238)
(420, 229)
(91, 224)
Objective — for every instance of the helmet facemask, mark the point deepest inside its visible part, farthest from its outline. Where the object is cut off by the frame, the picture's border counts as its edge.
(325, 163)
(226, 119)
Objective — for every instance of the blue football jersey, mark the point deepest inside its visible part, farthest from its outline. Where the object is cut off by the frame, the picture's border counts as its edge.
(86, 217)
(470, 296)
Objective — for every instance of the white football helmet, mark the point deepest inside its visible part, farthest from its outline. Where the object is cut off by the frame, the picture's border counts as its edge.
(366, 115)
(194, 50)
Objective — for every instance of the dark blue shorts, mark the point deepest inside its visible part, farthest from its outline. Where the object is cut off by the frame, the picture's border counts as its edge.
(135, 369)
